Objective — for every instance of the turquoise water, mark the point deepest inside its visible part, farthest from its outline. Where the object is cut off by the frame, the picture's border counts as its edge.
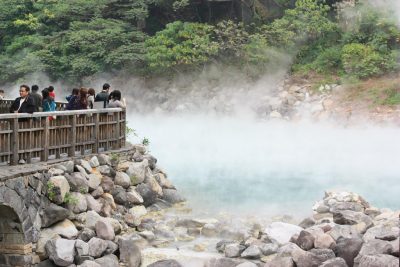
(251, 167)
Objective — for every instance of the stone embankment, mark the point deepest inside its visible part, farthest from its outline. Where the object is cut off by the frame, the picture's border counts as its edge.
(83, 212)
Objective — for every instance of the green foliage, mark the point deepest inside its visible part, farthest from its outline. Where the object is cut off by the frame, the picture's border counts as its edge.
(145, 141)
(51, 194)
(363, 61)
(392, 97)
(180, 44)
(70, 199)
(231, 38)
(130, 131)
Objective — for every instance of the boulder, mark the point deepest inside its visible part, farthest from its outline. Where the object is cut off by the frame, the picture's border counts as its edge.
(91, 218)
(68, 165)
(323, 254)
(149, 196)
(65, 229)
(247, 264)
(348, 217)
(94, 162)
(152, 182)
(129, 251)
(122, 179)
(85, 165)
(78, 182)
(90, 264)
(163, 181)
(344, 231)
(57, 187)
(335, 262)
(172, 196)
(52, 213)
(61, 251)
(105, 170)
(375, 246)
(324, 241)
(108, 261)
(378, 260)
(305, 240)
(98, 192)
(107, 184)
(104, 159)
(86, 234)
(111, 247)
(395, 247)
(165, 263)
(252, 252)
(233, 250)
(133, 197)
(77, 203)
(282, 232)
(97, 247)
(104, 230)
(93, 181)
(93, 204)
(383, 231)
(136, 171)
(348, 249)
(269, 249)
(45, 236)
(280, 262)
(81, 251)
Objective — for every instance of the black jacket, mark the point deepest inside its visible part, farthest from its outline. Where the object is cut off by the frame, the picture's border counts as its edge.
(102, 97)
(27, 107)
(37, 98)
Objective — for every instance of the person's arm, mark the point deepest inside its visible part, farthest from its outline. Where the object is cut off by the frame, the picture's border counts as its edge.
(14, 106)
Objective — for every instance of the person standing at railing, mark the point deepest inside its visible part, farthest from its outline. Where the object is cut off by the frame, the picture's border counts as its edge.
(103, 95)
(24, 103)
(75, 92)
(49, 105)
(1, 94)
(51, 92)
(80, 101)
(115, 101)
(91, 96)
(37, 98)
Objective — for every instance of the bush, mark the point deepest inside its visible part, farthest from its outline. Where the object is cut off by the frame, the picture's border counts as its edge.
(329, 60)
(363, 61)
(180, 44)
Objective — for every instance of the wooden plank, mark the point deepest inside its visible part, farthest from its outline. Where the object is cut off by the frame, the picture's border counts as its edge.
(14, 141)
(96, 133)
(46, 139)
(72, 136)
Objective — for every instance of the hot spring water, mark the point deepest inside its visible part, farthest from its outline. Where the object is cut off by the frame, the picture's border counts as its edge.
(243, 166)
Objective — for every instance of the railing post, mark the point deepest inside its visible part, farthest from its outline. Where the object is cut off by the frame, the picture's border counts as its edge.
(14, 141)
(96, 132)
(72, 136)
(46, 139)
(118, 130)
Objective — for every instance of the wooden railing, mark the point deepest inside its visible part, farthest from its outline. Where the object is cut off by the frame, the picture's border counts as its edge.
(42, 136)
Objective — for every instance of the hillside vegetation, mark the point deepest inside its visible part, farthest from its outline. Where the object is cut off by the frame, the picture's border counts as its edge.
(75, 39)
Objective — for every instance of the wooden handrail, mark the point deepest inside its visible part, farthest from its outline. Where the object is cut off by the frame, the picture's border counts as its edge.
(61, 134)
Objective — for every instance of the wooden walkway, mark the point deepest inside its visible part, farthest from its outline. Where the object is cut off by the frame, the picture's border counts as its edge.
(44, 136)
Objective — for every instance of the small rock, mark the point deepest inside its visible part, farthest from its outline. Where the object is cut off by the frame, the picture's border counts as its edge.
(61, 251)
(104, 230)
(104, 159)
(252, 252)
(57, 187)
(94, 162)
(233, 250)
(94, 182)
(324, 241)
(108, 261)
(335, 262)
(97, 247)
(65, 229)
(280, 262)
(165, 263)
(122, 179)
(348, 249)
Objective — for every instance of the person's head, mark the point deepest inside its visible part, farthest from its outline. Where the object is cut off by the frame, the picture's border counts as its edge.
(35, 88)
(45, 93)
(91, 91)
(83, 92)
(75, 91)
(106, 87)
(116, 95)
(1, 92)
(50, 88)
(24, 90)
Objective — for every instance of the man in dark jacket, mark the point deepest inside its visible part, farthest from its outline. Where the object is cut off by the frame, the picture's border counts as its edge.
(37, 98)
(24, 103)
(103, 95)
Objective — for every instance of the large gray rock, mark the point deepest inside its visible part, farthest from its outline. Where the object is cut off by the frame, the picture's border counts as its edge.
(77, 203)
(86, 234)
(52, 213)
(163, 181)
(90, 264)
(119, 194)
(93, 204)
(172, 196)
(61, 251)
(111, 247)
(122, 179)
(104, 230)
(348, 249)
(137, 171)
(375, 246)
(57, 187)
(94, 162)
(335, 262)
(395, 247)
(379, 260)
(323, 254)
(383, 231)
(93, 181)
(252, 252)
(65, 229)
(165, 263)
(282, 232)
(45, 236)
(344, 231)
(233, 250)
(105, 170)
(305, 240)
(133, 197)
(85, 165)
(348, 217)
(97, 247)
(77, 182)
(280, 262)
(247, 264)
(129, 251)
(269, 249)
(108, 260)
(104, 159)
(324, 241)
(149, 196)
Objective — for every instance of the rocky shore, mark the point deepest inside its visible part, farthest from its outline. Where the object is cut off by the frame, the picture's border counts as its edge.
(122, 210)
